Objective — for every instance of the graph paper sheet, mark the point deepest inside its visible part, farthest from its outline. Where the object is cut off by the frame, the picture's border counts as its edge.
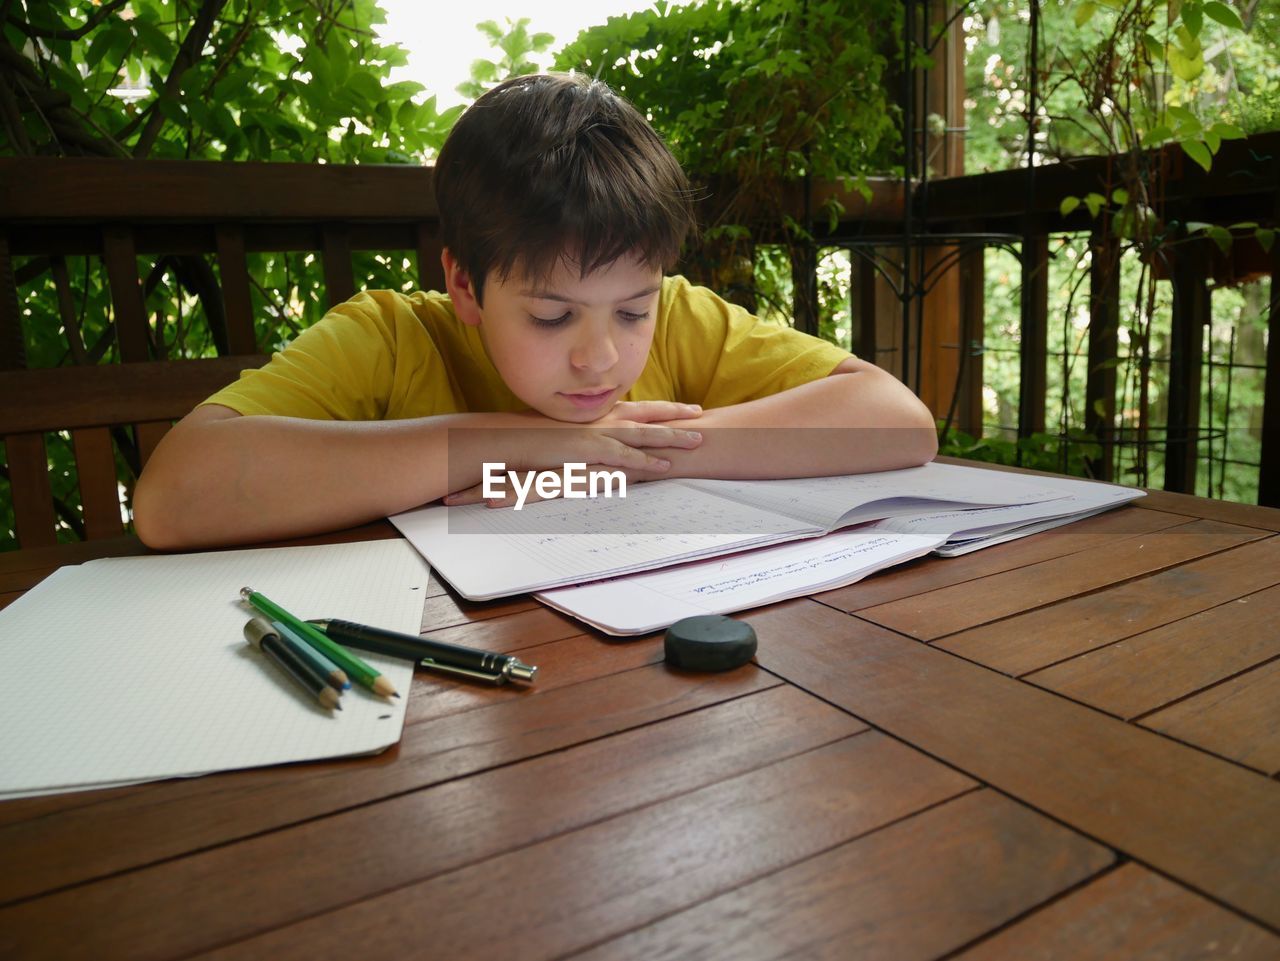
(132, 669)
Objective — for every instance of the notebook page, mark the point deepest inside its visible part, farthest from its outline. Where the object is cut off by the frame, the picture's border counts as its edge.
(137, 668)
(827, 502)
(737, 582)
(487, 553)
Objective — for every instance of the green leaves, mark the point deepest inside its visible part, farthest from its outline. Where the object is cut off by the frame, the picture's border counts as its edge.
(1223, 14)
(1199, 152)
(515, 43)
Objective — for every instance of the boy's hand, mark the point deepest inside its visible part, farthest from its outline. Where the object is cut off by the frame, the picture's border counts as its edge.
(618, 440)
(650, 412)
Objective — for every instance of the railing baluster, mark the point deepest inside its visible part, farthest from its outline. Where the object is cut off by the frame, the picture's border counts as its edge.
(1104, 328)
(99, 490)
(1035, 334)
(1191, 312)
(339, 281)
(972, 336)
(1269, 473)
(430, 270)
(233, 272)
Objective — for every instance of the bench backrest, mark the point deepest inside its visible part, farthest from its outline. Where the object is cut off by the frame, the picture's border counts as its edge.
(193, 216)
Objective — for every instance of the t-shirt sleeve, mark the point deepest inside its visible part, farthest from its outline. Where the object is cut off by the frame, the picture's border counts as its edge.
(720, 355)
(342, 368)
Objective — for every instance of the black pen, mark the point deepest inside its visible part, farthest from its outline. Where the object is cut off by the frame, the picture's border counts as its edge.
(438, 655)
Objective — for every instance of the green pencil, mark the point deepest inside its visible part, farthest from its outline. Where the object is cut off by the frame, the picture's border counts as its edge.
(361, 672)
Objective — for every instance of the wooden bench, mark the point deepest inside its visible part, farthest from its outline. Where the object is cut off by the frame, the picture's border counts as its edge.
(197, 215)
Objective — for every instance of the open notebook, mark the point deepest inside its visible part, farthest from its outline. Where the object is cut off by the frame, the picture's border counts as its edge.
(136, 668)
(486, 553)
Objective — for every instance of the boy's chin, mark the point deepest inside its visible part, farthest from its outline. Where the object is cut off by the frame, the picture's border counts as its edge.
(576, 416)
(566, 413)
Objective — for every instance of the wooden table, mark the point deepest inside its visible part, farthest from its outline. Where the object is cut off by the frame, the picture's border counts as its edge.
(1065, 746)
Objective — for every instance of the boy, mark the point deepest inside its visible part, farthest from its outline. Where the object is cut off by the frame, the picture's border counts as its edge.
(560, 209)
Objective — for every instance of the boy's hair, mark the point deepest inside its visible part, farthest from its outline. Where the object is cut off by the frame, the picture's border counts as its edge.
(555, 166)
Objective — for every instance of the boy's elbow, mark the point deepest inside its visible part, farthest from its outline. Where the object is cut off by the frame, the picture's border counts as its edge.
(923, 443)
(912, 423)
(148, 521)
(155, 516)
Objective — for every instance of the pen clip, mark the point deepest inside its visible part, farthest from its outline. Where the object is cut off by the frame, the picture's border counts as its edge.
(491, 677)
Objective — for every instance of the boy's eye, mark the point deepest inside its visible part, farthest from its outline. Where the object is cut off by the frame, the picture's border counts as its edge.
(550, 321)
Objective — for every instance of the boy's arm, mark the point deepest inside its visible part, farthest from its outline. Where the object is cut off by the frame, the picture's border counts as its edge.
(220, 478)
(859, 418)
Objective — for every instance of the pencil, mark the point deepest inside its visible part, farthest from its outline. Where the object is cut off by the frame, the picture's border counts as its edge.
(336, 677)
(260, 634)
(361, 672)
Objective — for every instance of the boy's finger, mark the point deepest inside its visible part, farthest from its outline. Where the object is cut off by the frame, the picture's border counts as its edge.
(633, 458)
(650, 411)
(471, 495)
(659, 437)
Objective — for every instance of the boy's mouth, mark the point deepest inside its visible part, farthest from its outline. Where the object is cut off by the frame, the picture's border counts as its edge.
(587, 399)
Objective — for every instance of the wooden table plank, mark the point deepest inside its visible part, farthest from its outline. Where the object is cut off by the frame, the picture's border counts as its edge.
(321, 864)
(1199, 819)
(510, 632)
(1247, 515)
(1237, 719)
(173, 818)
(1143, 673)
(446, 610)
(1129, 914)
(1026, 642)
(917, 889)
(953, 609)
(560, 664)
(564, 894)
(931, 573)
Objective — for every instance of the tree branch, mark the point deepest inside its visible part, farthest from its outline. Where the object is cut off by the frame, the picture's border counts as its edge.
(188, 54)
(106, 10)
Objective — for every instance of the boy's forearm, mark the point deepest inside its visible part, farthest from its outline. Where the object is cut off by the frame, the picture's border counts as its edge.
(846, 423)
(244, 479)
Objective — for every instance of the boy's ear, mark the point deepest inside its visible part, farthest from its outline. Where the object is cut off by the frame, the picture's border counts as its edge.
(461, 291)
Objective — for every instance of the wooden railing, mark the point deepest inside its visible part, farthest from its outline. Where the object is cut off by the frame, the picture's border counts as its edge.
(1243, 186)
(118, 211)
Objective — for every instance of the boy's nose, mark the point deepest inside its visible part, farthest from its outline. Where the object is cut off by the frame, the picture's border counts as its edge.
(595, 351)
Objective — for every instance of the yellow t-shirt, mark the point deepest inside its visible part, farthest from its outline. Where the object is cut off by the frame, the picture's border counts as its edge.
(384, 355)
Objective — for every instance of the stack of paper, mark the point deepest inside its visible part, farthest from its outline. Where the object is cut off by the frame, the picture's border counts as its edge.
(589, 558)
(136, 668)
(486, 553)
(649, 602)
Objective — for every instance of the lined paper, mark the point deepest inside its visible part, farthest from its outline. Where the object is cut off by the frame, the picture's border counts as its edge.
(133, 669)
(648, 602)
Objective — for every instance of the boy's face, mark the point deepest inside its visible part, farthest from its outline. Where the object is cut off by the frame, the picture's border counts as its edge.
(570, 347)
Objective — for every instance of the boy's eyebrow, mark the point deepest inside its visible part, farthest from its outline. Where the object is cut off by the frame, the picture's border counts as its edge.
(549, 295)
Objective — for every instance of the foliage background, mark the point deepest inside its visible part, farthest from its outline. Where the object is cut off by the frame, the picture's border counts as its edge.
(1237, 84)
